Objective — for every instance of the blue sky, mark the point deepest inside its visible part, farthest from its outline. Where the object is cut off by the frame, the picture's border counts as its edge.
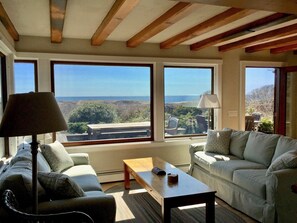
(24, 76)
(258, 77)
(87, 80)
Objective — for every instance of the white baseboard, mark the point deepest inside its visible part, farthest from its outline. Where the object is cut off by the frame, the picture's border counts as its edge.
(114, 176)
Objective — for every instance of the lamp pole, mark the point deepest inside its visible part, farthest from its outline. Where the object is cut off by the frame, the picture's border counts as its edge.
(34, 151)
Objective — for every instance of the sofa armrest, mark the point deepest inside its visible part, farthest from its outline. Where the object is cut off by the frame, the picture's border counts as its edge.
(100, 208)
(278, 186)
(80, 158)
(194, 147)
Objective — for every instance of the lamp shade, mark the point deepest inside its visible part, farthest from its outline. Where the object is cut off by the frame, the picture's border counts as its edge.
(31, 114)
(209, 101)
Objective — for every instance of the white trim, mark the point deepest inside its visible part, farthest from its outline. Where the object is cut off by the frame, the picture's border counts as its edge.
(243, 65)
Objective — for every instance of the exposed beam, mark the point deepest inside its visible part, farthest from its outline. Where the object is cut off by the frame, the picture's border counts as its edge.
(242, 30)
(177, 12)
(217, 21)
(268, 36)
(272, 44)
(119, 10)
(8, 24)
(284, 6)
(284, 49)
(57, 14)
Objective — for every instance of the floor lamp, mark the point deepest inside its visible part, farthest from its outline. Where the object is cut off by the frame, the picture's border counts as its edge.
(209, 101)
(32, 114)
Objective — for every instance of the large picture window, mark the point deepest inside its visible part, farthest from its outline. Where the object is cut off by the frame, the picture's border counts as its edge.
(183, 88)
(104, 102)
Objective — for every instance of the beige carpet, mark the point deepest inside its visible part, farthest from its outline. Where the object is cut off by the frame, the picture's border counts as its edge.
(137, 206)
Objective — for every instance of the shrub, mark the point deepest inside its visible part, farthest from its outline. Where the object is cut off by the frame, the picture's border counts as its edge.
(93, 113)
(77, 127)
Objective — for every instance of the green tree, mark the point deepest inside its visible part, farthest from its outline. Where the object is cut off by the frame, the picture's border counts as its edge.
(93, 113)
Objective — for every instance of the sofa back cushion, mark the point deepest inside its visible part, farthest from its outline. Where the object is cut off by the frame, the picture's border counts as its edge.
(218, 141)
(57, 156)
(260, 147)
(18, 178)
(284, 145)
(238, 142)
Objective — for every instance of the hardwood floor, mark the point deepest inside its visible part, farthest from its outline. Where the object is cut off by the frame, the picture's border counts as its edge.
(247, 219)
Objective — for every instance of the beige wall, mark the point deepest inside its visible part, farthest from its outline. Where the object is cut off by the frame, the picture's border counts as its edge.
(107, 159)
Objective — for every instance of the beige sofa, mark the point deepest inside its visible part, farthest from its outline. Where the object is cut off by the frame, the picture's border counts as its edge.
(66, 182)
(253, 173)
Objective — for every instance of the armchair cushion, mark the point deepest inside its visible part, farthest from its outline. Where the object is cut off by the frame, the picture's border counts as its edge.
(57, 156)
(59, 186)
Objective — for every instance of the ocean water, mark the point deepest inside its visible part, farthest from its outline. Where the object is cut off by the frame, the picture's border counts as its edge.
(168, 99)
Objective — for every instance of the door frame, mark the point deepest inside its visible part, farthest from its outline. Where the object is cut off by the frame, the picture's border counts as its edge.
(280, 99)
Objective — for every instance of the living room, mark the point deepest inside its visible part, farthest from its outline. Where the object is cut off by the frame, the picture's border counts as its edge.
(107, 158)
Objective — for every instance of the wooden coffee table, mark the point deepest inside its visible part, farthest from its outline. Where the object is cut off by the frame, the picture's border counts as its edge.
(186, 191)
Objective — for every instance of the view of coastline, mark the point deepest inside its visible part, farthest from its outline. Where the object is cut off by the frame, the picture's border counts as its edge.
(168, 99)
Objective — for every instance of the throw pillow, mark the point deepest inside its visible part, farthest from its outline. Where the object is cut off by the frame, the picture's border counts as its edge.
(287, 160)
(59, 186)
(284, 145)
(218, 141)
(56, 156)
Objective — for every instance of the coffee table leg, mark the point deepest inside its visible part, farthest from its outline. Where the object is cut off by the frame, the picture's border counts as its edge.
(166, 214)
(126, 177)
(210, 211)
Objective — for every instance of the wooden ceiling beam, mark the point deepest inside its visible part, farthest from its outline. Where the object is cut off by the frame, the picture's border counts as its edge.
(57, 17)
(284, 6)
(268, 36)
(176, 13)
(284, 49)
(217, 21)
(8, 24)
(119, 11)
(272, 44)
(242, 30)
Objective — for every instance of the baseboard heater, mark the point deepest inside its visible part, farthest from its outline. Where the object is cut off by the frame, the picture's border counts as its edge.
(118, 175)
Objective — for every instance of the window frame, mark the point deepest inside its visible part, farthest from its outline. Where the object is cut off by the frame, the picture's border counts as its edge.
(108, 141)
(212, 92)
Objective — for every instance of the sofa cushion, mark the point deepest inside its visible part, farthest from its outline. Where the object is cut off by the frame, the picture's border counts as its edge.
(84, 176)
(218, 141)
(42, 164)
(284, 145)
(287, 160)
(260, 147)
(24, 153)
(59, 186)
(253, 180)
(238, 141)
(57, 156)
(18, 178)
(204, 159)
(225, 169)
